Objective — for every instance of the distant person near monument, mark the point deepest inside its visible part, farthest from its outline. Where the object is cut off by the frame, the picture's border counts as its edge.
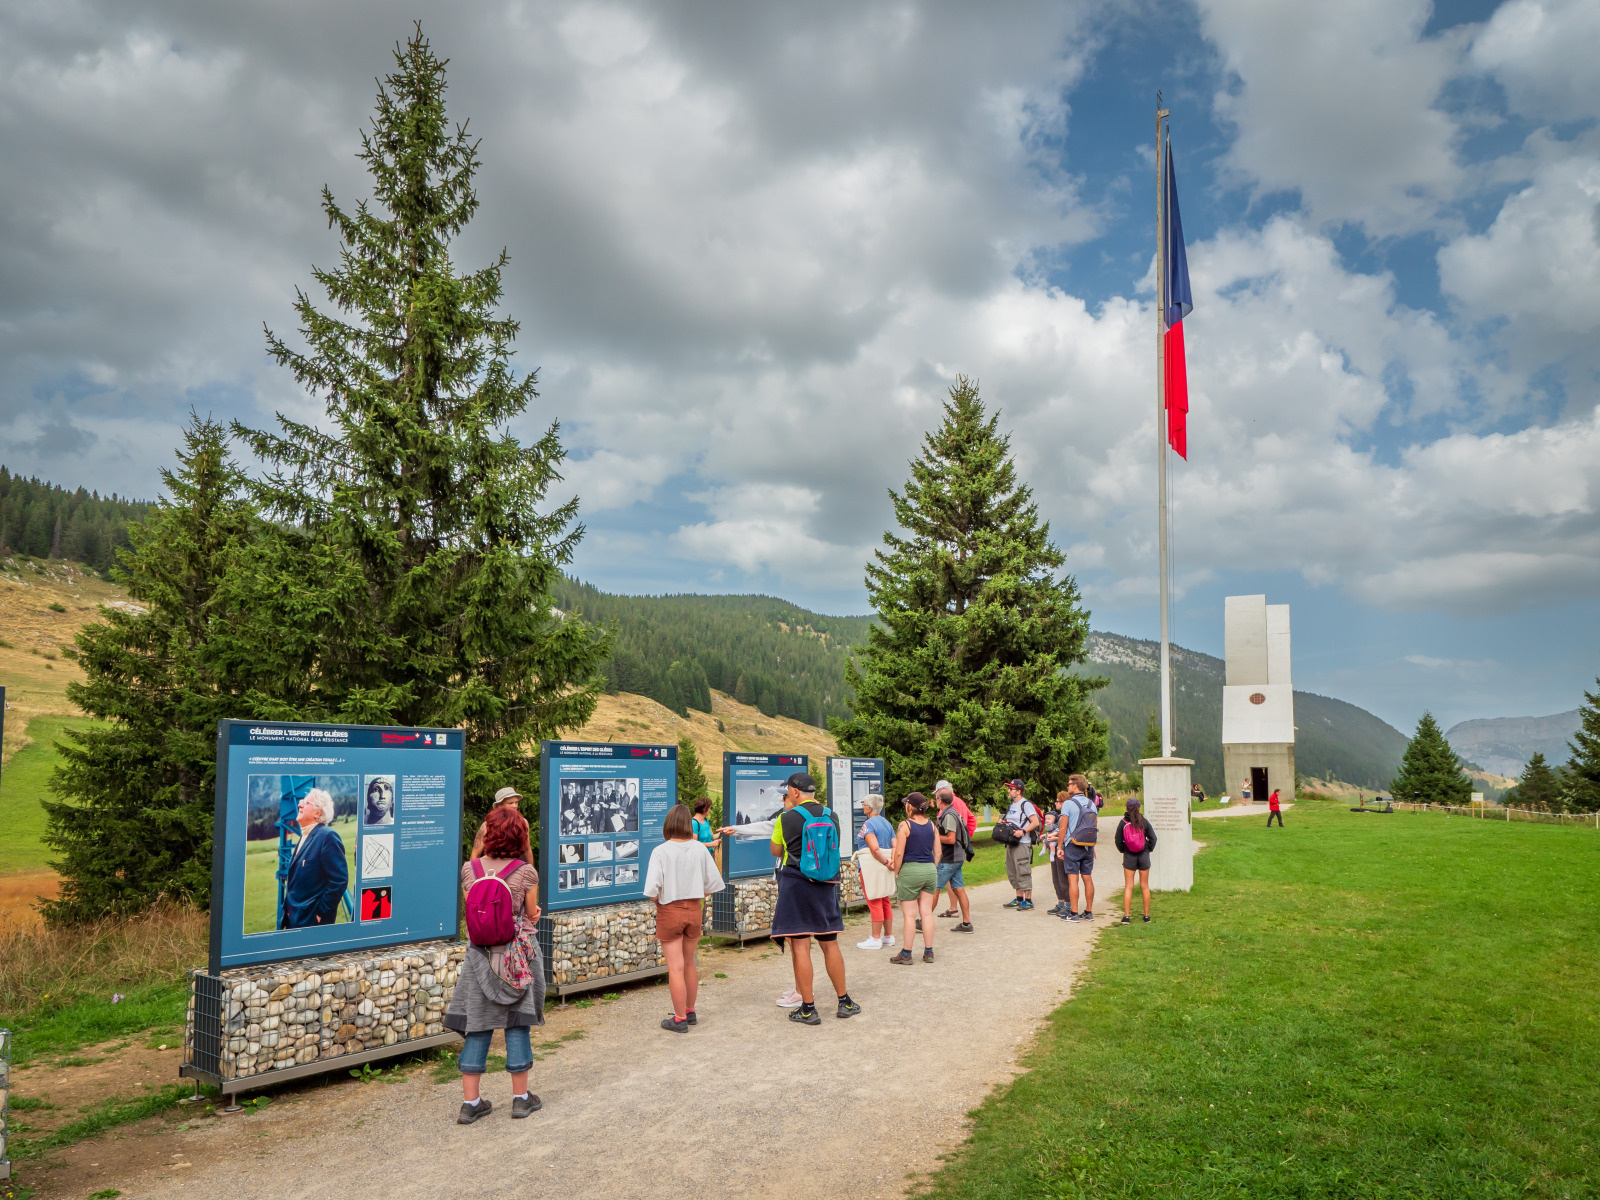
(1135, 838)
(318, 872)
(1275, 809)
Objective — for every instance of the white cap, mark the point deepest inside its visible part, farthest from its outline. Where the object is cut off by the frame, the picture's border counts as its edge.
(943, 786)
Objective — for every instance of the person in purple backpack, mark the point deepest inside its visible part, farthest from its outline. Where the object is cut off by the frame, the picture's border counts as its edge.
(501, 985)
(1135, 838)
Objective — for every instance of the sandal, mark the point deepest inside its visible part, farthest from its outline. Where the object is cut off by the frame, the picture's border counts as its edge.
(950, 912)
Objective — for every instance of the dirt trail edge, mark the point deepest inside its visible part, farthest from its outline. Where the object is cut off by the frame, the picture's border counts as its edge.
(631, 1110)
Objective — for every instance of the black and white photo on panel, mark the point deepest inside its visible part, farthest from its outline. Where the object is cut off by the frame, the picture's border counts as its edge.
(627, 875)
(377, 802)
(758, 799)
(591, 806)
(599, 851)
(569, 881)
(627, 850)
(571, 852)
(599, 877)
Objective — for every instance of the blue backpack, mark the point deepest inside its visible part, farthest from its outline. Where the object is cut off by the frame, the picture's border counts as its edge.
(819, 846)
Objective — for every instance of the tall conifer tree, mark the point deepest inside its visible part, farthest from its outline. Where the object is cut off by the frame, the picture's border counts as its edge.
(1430, 772)
(966, 678)
(691, 776)
(427, 552)
(1580, 782)
(134, 819)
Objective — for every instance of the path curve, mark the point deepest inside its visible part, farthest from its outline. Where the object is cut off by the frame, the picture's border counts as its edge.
(634, 1111)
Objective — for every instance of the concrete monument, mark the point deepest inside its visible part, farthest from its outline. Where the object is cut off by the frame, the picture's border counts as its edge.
(1257, 699)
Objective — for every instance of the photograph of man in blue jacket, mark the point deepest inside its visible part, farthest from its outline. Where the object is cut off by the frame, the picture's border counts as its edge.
(318, 872)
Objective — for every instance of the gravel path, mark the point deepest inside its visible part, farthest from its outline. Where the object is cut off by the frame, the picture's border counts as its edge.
(1238, 810)
(631, 1110)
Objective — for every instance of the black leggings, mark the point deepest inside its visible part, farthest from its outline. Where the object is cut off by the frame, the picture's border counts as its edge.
(1058, 878)
(1275, 813)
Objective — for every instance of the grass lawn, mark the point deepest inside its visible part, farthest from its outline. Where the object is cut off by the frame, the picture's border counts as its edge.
(24, 786)
(261, 877)
(1353, 1006)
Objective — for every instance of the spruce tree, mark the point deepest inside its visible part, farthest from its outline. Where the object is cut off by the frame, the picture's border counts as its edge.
(691, 776)
(1430, 772)
(425, 545)
(1152, 739)
(966, 677)
(1538, 788)
(134, 818)
(1580, 781)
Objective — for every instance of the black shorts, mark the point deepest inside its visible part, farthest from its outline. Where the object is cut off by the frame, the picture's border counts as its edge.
(1136, 862)
(820, 937)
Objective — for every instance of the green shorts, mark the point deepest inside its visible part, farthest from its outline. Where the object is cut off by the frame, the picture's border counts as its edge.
(916, 878)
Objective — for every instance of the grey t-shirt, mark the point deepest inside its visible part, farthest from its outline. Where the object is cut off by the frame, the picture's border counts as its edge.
(951, 822)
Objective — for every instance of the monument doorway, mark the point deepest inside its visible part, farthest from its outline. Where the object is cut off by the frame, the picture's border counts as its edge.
(1258, 785)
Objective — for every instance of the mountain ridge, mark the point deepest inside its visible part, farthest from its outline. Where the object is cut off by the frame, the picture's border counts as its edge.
(1504, 745)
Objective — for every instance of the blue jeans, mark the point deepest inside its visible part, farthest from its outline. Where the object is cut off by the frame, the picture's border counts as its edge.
(950, 874)
(474, 1058)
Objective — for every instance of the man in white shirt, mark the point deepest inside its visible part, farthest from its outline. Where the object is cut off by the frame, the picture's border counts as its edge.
(1019, 858)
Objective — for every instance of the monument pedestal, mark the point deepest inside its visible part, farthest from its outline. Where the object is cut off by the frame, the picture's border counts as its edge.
(1166, 807)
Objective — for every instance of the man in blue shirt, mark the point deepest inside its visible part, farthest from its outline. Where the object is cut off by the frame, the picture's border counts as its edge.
(1078, 840)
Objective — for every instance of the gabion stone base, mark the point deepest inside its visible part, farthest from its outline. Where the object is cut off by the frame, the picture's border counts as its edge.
(310, 1010)
(603, 942)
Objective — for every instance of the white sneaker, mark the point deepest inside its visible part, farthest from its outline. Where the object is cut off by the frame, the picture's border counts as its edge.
(888, 941)
(871, 943)
(790, 999)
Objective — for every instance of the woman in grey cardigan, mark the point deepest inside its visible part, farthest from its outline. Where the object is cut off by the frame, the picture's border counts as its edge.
(483, 1000)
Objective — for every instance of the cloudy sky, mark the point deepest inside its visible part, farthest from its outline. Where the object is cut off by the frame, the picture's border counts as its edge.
(753, 244)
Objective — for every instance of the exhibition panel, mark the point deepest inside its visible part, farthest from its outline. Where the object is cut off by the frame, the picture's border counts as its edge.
(333, 838)
(856, 778)
(600, 813)
(752, 792)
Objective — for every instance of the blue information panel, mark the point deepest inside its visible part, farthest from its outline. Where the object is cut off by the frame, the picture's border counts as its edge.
(852, 779)
(600, 811)
(333, 837)
(752, 790)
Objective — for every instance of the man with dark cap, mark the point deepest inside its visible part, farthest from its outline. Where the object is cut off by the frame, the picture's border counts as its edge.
(808, 908)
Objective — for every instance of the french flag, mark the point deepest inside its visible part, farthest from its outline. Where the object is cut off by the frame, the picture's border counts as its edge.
(1180, 302)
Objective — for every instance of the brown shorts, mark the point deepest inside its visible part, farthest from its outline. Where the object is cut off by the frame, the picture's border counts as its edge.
(680, 918)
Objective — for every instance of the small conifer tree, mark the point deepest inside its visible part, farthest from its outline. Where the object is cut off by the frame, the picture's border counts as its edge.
(136, 789)
(1152, 739)
(1580, 781)
(691, 776)
(415, 529)
(1538, 789)
(966, 677)
(1430, 772)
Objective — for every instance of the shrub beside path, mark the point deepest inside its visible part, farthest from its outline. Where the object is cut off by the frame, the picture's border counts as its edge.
(631, 1110)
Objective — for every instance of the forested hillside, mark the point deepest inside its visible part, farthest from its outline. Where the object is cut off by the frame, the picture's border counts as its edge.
(762, 651)
(47, 521)
(1333, 740)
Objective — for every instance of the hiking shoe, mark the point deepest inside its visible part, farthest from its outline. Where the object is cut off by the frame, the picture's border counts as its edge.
(903, 959)
(1086, 915)
(1069, 915)
(1127, 920)
(806, 1018)
(1017, 903)
(790, 999)
(676, 1026)
(1061, 907)
(1025, 906)
(847, 1008)
(927, 956)
(871, 943)
(473, 1112)
(964, 927)
(690, 1017)
(521, 1106)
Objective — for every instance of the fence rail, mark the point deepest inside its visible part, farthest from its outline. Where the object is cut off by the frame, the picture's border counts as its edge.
(1484, 812)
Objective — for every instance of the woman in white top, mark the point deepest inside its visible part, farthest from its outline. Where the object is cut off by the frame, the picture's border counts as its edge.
(681, 875)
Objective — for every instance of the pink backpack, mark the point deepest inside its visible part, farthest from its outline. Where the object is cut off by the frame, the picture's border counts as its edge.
(1133, 838)
(490, 921)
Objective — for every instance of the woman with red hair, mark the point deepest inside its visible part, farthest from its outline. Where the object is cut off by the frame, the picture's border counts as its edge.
(500, 987)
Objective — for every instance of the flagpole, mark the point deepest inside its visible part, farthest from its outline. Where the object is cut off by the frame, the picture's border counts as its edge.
(1162, 150)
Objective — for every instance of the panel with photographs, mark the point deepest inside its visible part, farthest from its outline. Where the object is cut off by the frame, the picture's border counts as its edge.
(599, 806)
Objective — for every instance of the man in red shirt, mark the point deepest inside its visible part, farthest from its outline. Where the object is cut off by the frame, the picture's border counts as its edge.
(1274, 810)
